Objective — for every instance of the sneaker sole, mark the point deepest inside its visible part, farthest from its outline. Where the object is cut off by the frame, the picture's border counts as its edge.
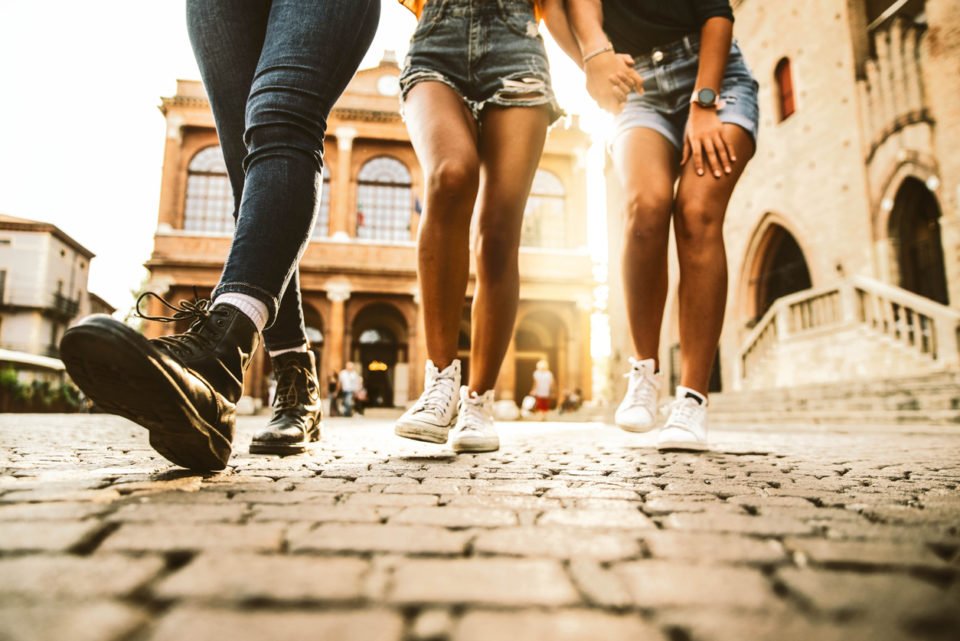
(680, 446)
(424, 433)
(475, 447)
(110, 363)
(636, 429)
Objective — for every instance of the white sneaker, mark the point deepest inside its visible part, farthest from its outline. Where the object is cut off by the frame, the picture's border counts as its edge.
(686, 428)
(475, 431)
(638, 410)
(435, 412)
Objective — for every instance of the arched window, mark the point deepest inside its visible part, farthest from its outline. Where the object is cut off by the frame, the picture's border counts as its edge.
(322, 228)
(384, 200)
(209, 204)
(544, 219)
(784, 78)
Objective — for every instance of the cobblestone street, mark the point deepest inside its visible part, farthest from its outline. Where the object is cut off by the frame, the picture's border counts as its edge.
(572, 531)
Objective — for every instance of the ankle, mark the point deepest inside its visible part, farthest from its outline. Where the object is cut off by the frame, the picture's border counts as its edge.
(251, 307)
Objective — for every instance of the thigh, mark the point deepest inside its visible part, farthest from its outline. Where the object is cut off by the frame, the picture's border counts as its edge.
(647, 164)
(705, 196)
(441, 126)
(239, 27)
(310, 52)
(511, 143)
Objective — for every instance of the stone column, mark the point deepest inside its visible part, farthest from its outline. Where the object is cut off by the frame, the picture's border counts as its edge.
(341, 195)
(338, 293)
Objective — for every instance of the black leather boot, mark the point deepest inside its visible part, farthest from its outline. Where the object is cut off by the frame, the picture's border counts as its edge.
(183, 388)
(296, 407)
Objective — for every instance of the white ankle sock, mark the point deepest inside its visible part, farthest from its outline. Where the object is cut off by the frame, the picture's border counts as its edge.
(276, 352)
(252, 307)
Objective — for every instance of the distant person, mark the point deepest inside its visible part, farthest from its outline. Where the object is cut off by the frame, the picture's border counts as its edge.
(349, 386)
(571, 401)
(272, 70)
(686, 126)
(333, 393)
(542, 389)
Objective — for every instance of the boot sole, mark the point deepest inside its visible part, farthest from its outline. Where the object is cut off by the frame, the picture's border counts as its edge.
(300, 447)
(115, 367)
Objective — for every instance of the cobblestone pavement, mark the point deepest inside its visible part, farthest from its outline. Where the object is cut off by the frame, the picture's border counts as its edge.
(572, 531)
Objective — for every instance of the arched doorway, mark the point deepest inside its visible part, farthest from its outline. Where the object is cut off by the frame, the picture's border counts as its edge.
(380, 343)
(539, 335)
(780, 269)
(914, 232)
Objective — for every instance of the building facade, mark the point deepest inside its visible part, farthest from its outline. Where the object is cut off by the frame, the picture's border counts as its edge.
(358, 274)
(43, 288)
(843, 235)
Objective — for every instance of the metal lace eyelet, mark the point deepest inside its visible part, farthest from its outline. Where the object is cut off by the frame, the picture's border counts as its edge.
(219, 322)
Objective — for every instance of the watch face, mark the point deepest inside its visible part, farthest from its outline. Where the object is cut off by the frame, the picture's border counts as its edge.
(706, 96)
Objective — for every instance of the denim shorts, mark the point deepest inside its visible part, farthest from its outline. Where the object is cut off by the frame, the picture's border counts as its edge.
(669, 74)
(489, 51)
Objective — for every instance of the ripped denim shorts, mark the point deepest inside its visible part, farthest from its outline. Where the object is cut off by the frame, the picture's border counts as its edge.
(669, 74)
(488, 51)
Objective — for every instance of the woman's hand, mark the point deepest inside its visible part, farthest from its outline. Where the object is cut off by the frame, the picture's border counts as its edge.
(704, 138)
(610, 77)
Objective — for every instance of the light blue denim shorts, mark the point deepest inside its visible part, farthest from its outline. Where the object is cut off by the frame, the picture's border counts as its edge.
(669, 74)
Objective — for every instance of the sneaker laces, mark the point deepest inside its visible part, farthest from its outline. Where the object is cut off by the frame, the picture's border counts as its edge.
(438, 395)
(474, 412)
(683, 412)
(196, 312)
(643, 387)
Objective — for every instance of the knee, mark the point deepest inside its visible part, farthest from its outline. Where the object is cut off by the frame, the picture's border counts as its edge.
(647, 217)
(496, 252)
(453, 179)
(698, 222)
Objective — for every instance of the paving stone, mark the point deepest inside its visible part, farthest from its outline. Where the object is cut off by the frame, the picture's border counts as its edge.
(242, 577)
(708, 624)
(591, 492)
(67, 576)
(596, 519)
(879, 594)
(399, 500)
(660, 506)
(40, 536)
(556, 543)
(501, 501)
(196, 624)
(456, 517)
(409, 539)
(286, 498)
(503, 582)
(745, 524)
(319, 513)
(598, 585)
(51, 511)
(172, 512)
(51, 621)
(432, 624)
(173, 537)
(866, 553)
(565, 625)
(660, 584)
(708, 547)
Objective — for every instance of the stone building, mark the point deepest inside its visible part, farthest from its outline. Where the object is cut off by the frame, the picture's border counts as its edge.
(43, 288)
(843, 236)
(358, 274)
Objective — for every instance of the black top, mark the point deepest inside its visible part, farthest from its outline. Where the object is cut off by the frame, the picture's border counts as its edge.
(637, 26)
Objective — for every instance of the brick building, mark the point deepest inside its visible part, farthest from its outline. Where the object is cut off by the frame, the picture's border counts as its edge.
(358, 275)
(843, 236)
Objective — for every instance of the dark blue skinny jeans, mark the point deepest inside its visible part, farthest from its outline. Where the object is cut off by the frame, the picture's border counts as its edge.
(272, 70)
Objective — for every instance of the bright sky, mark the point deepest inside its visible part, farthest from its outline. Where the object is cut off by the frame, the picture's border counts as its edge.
(81, 139)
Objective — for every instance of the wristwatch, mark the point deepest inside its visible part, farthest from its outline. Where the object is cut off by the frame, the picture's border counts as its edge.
(706, 98)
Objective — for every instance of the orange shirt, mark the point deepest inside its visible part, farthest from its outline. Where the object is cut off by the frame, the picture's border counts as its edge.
(416, 6)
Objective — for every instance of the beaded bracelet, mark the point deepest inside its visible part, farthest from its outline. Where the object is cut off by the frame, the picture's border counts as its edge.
(596, 53)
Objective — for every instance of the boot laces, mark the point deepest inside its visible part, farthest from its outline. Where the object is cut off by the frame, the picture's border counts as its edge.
(287, 394)
(197, 312)
(438, 395)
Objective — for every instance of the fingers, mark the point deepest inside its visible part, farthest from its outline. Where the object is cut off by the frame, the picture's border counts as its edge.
(696, 150)
(723, 152)
(686, 151)
(621, 81)
(713, 161)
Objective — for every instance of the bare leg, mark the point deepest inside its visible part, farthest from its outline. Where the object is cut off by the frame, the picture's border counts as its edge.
(647, 165)
(444, 137)
(511, 143)
(701, 206)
